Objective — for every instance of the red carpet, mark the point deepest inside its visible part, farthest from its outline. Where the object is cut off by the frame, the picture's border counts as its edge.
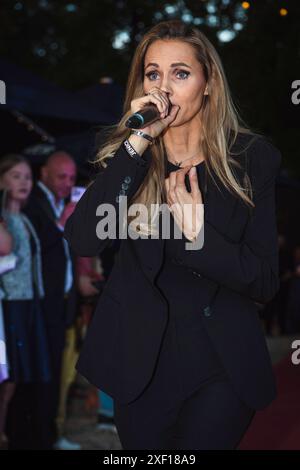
(277, 427)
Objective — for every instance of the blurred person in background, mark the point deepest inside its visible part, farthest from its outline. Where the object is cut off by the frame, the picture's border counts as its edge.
(48, 212)
(22, 287)
(86, 278)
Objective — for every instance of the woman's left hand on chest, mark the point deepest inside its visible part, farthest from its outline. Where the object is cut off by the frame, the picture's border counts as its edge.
(187, 207)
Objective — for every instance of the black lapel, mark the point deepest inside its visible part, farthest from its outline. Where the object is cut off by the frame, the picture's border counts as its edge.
(43, 202)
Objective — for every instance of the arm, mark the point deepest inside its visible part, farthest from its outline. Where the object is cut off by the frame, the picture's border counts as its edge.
(122, 169)
(6, 241)
(250, 267)
(85, 276)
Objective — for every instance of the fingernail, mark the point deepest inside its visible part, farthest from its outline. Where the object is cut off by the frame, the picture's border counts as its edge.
(193, 170)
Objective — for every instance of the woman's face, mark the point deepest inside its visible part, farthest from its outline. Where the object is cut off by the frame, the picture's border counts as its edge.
(18, 182)
(184, 83)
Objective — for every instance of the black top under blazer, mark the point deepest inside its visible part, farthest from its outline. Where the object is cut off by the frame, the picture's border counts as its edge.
(239, 258)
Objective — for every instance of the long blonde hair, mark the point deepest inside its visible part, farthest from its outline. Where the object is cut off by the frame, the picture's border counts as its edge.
(220, 121)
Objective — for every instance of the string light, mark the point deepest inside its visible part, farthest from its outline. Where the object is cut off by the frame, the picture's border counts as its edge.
(246, 5)
(283, 12)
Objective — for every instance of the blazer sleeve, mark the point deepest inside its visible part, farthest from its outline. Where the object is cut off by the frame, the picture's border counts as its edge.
(122, 171)
(251, 266)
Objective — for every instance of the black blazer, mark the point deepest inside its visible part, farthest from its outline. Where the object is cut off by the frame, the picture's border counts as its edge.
(54, 260)
(237, 269)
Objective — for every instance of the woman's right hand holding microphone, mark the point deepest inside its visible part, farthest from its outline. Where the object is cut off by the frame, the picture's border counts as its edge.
(160, 99)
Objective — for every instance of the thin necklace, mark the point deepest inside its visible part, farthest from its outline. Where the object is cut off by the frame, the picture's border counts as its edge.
(177, 163)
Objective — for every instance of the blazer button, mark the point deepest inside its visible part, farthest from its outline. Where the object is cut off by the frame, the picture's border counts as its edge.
(207, 311)
(124, 186)
(127, 179)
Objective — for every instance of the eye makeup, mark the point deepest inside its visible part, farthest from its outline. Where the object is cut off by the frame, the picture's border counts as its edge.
(148, 74)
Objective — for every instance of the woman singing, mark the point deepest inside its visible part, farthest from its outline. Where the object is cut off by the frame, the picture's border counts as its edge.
(176, 338)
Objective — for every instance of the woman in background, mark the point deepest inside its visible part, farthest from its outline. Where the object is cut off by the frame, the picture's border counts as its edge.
(23, 322)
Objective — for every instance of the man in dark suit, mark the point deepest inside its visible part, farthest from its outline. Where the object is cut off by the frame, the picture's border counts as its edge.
(48, 212)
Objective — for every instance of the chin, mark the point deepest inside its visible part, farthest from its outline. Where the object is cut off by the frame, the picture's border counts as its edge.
(175, 124)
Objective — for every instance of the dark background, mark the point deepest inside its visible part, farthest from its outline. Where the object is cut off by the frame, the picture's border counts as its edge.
(72, 44)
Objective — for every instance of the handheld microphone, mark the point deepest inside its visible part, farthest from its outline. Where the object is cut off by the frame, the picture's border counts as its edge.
(144, 117)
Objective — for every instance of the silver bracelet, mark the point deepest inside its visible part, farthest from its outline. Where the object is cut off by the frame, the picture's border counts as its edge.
(143, 134)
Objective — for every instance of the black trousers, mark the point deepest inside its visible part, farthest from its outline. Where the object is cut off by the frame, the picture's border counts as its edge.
(190, 402)
(49, 393)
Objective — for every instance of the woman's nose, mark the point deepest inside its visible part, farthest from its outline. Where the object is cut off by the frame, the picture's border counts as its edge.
(167, 91)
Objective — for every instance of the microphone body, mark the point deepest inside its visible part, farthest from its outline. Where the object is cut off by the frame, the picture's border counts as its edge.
(144, 117)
